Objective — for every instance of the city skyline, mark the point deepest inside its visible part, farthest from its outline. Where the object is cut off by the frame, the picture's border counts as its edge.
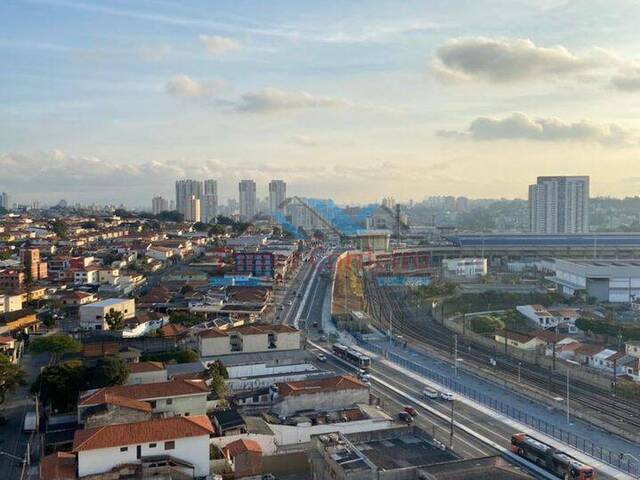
(408, 101)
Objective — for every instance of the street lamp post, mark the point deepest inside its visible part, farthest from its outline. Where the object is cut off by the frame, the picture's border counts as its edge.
(452, 422)
(519, 377)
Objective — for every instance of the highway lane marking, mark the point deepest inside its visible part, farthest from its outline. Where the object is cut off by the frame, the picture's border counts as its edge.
(507, 453)
(385, 394)
(599, 465)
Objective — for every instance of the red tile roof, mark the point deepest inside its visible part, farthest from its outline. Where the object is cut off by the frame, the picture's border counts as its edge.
(142, 367)
(146, 391)
(173, 330)
(241, 446)
(141, 432)
(252, 329)
(112, 399)
(58, 466)
(7, 340)
(323, 385)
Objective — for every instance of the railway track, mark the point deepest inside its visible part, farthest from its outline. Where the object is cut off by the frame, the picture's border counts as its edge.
(391, 307)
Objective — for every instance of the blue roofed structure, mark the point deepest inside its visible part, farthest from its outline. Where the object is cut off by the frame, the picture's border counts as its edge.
(506, 240)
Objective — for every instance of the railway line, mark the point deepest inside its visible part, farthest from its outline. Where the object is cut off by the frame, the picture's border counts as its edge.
(392, 311)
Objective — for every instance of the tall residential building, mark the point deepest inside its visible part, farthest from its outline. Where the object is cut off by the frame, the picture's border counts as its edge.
(4, 200)
(158, 205)
(247, 198)
(192, 209)
(209, 201)
(277, 195)
(185, 189)
(559, 205)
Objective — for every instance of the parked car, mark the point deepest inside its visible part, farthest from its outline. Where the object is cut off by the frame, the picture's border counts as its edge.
(410, 410)
(322, 338)
(446, 396)
(430, 393)
(405, 417)
(322, 357)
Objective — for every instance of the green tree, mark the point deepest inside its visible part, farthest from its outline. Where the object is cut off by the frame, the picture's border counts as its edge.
(60, 229)
(216, 229)
(200, 227)
(216, 368)
(107, 372)
(59, 385)
(486, 324)
(185, 318)
(56, 345)
(115, 319)
(12, 376)
(218, 386)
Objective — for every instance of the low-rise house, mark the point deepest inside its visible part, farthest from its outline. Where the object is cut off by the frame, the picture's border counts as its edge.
(146, 372)
(326, 394)
(92, 316)
(585, 353)
(551, 317)
(86, 276)
(24, 321)
(177, 397)
(10, 302)
(11, 279)
(153, 447)
(228, 422)
(10, 347)
(58, 466)
(520, 340)
(77, 298)
(248, 339)
(245, 457)
(632, 348)
(116, 409)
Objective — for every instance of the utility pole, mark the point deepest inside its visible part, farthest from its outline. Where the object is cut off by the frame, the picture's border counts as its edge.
(568, 420)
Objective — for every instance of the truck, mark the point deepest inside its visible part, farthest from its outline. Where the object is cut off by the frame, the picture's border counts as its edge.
(30, 423)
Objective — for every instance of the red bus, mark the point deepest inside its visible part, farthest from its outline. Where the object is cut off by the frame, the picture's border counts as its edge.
(555, 461)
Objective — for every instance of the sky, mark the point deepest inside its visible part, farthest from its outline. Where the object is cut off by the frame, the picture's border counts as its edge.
(113, 100)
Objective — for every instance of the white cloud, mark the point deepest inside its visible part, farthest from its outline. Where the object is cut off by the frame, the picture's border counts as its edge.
(627, 81)
(511, 60)
(521, 126)
(271, 100)
(216, 45)
(185, 86)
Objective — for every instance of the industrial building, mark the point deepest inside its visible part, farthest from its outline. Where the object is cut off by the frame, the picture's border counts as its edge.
(606, 280)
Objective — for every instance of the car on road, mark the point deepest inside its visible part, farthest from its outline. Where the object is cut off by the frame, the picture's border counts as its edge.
(446, 396)
(430, 393)
(405, 417)
(290, 302)
(410, 410)
(322, 357)
(322, 338)
(315, 324)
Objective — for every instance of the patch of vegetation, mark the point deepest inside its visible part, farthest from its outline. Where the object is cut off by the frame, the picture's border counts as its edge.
(609, 327)
(178, 356)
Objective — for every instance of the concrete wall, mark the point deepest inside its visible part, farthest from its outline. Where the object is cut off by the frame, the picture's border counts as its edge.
(322, 401)
(155, 376)
(214, 346)
(92, 314)
(193, 405)
(194, 450)
(285, 435)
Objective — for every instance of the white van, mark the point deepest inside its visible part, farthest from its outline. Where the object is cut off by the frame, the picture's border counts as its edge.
(430, 393)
